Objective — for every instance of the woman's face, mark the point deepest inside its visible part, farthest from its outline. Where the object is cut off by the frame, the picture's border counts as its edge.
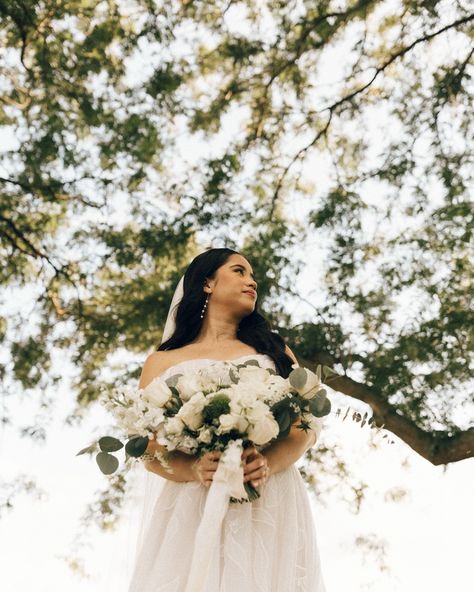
(234, 285)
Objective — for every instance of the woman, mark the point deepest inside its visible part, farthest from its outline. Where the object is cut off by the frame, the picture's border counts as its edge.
(268, 545)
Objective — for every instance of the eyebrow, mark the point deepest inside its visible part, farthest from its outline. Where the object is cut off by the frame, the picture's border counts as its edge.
(239, 265)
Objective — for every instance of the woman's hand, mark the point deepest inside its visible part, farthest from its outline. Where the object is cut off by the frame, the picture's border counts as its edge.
(205, 466)
(256, 468)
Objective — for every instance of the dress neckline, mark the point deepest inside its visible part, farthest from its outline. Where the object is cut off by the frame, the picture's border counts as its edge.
(212, 360)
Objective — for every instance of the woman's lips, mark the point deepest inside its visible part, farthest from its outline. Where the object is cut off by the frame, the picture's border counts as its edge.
(251, 293)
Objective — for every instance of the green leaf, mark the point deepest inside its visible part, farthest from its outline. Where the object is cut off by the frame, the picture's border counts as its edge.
(89, 449)
(136, 446)
(218, 405)
(298, 378)
(318, 372)
(173, 380)
(284, 419)
(109, 444)
(319, 406)
(329, 373)
(108, 463)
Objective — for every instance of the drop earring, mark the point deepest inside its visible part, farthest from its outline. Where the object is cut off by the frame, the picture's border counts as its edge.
(204, 307)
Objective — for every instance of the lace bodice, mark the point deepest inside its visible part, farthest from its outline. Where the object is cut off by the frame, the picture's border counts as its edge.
(264, 360)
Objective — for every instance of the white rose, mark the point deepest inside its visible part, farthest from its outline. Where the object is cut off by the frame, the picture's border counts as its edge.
(264, 430)
(253, 374)
(249, 392)
(242, 399)
(278, 384)
(188, 385)
(174, 426)
(191, 411)
(257, 411)
(311, 386)
(157, 393)
(231, 421)
(216, 374)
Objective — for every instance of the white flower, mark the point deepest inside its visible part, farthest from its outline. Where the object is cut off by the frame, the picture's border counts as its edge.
(232, 421)
(254, 374)
(264, 430)
(278, 387)
(257, 411)
(157, 393)
(187, 444)
(174, 426)
(188, 385)
(191, 411)
(246, 393)
(216, 375)
(205, 436)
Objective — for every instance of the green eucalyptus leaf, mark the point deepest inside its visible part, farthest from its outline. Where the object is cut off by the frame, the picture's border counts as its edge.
(284, 419)
(89, 449)
(329, 373)
(172, 381)
(320, 407)
(318, 372)
(109, 444)
(234, 375)
(251, 362)
(136, 446)
(108, 463)
(298, 378)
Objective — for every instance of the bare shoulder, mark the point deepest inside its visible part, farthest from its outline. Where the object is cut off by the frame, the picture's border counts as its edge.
(291, 354)
(155, 364)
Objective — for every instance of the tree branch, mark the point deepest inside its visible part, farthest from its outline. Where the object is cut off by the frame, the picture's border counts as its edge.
(438, 447)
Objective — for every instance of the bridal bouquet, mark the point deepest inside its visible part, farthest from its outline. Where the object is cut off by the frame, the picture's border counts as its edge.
(224, 406)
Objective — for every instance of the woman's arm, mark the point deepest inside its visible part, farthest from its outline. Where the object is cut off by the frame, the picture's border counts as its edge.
(180, 462)
(282, 453)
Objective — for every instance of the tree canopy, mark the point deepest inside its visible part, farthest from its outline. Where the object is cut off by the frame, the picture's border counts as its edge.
(135, 133)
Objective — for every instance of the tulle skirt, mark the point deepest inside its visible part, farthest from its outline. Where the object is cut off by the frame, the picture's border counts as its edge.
(268, 545)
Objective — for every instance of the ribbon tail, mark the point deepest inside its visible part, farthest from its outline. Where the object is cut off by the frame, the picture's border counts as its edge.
(227, 482)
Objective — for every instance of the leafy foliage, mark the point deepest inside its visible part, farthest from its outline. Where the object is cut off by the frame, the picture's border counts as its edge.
(137, 132)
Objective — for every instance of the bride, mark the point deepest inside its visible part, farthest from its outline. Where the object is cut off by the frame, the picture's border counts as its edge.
(269, 544)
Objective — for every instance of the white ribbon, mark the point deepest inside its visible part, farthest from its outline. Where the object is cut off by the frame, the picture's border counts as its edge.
(228, 482)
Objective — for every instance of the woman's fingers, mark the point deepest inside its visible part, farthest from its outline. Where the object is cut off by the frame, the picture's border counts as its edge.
(254, 463)
(248, 452)
(256, 471)
(206, 466)
(259, 473)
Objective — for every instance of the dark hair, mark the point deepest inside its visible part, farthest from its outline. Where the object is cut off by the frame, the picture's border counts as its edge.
(254, 329)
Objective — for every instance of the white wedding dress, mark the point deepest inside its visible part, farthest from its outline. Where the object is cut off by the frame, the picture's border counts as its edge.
(268, 545)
